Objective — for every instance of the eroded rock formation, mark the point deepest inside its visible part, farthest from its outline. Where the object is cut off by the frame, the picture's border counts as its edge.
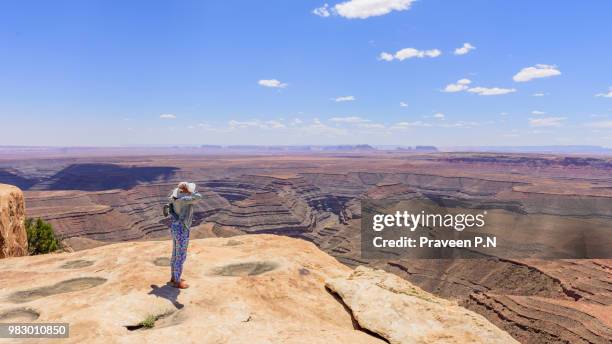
(246, 289)
(13, 238)
(403, 313)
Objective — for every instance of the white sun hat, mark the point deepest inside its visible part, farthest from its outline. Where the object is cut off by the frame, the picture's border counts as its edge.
(191, 187)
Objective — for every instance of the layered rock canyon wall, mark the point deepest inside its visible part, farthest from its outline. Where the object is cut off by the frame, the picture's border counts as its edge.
(316, 198)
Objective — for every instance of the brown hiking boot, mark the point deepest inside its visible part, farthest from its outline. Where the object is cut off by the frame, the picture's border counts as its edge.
(181, 285)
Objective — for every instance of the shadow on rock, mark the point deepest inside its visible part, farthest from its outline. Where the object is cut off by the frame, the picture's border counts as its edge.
(97, 177)
(167, 292)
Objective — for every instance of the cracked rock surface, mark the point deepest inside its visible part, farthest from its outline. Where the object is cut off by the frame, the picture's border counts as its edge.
(403, 313)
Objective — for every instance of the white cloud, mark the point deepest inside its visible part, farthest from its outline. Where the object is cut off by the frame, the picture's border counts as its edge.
(490, 91)
(407, 125)
(167, 116)
(322, 11)
(371, 125)
(370, 8)
(600, 124)
(605, 95)
(439, 124)
(344, 99)
(538, 94)
(460, 124)
(275, 125)
(546, 121)
(243, 124)
(464, 49)
(349, 119)
(459, 86)
(462, 85)
(408, 53)
(536, 112)
(503, 114)
(271, 83)
(403, 104)
(319, 128)
(535, 72)
(385, 56)
(451, 88)
(233, 124)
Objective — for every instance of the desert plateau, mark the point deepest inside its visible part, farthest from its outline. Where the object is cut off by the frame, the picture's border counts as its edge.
(97, 200)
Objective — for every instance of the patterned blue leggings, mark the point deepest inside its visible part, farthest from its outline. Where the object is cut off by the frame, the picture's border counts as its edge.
(180, 242)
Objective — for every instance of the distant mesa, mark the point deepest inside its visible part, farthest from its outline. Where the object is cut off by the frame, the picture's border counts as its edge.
(15, 152)
(349, 148)
(425, 149)
(561, 149)
(304, 148)
(420, 149)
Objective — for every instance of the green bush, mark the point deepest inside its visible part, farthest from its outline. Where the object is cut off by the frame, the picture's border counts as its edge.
(41, 238)
(149, 321)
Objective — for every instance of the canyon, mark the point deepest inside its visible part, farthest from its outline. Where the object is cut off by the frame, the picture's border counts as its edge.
(93, 201)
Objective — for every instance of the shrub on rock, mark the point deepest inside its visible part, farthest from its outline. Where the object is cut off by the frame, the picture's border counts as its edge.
(41, 238)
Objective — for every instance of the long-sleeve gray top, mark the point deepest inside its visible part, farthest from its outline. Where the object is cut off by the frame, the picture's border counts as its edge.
(183, 206)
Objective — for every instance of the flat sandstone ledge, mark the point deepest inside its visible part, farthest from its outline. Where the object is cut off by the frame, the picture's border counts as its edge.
(244, 289)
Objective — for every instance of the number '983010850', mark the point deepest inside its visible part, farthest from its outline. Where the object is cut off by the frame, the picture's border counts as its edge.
(34, 330)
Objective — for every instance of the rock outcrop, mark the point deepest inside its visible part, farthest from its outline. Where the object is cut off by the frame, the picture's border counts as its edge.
(403, 313)
(244, 289)
(13, 238)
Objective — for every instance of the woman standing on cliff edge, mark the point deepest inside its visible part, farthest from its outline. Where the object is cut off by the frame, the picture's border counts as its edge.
(182, 200)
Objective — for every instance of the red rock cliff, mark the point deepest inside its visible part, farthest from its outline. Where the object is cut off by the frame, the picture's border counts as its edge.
(13, 238)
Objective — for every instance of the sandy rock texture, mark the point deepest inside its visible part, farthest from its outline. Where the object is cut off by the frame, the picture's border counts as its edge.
(403, 313)
(13, 238)
(244, 289)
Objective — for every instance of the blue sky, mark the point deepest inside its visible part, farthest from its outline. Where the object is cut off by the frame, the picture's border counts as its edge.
(274, 72)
